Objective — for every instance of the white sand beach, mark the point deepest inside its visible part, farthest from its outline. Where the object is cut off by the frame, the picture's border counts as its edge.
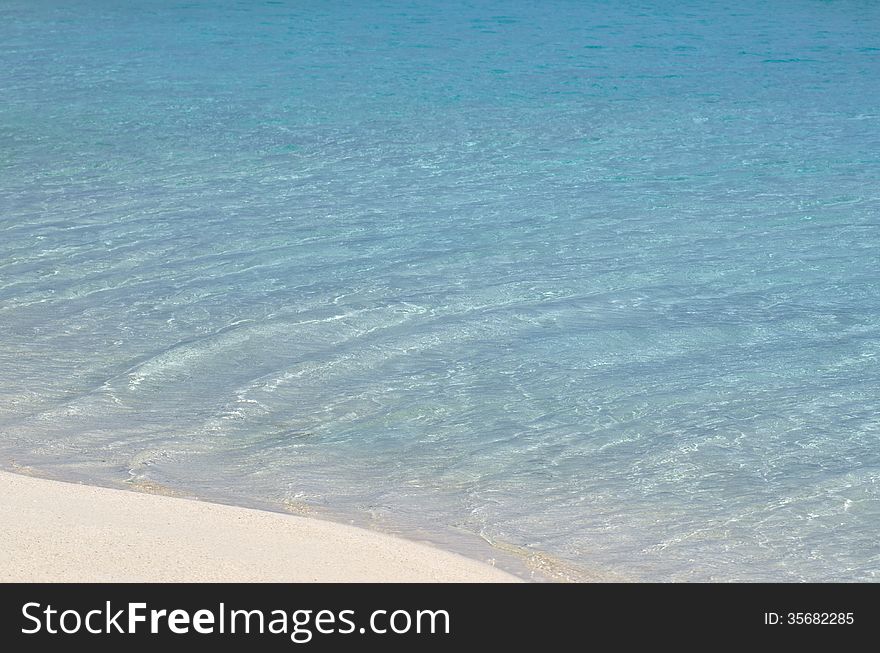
(56, 531)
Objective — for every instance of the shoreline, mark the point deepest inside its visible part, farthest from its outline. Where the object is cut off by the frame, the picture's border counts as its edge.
(57, 531)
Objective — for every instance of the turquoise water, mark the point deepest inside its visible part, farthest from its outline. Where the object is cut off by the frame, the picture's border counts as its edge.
(599, 280)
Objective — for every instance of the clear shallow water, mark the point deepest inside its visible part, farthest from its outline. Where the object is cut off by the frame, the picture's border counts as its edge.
(594, 279)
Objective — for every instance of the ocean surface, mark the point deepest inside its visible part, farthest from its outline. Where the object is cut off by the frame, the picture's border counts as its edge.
(594, 281)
